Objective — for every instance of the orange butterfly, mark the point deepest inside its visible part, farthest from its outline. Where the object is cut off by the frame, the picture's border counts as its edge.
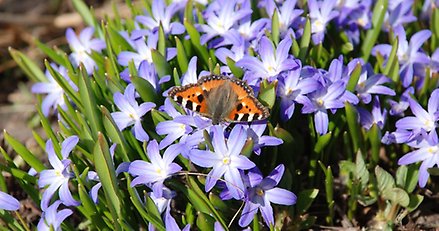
(220, 98)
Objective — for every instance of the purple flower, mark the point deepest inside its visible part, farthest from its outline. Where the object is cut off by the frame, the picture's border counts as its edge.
(408, 53)
(370, 83)
(59, 176)
(294, 86)
(399, 12)
(142, 49)
(131, 112)
(377, 116)
(55, 93)
(174, 129)
(163, 204)
(82, 46)
(320, 13)
(8, 202)
(287, 14)
(221, 16)
(261, 193)
(236, 52)
(155, 172)
(51, 218)
(225, 160)
(162, 14)
(427, 152)
(191, 74)
(422, 121)
(318, 102)
(398, 108)
(255, 131)
(273, 61)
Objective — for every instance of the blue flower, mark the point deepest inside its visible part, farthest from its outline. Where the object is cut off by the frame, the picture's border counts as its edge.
(426, 151)
(378, 117)
(8, 202)
(398, 108)
(422, 121)
(225, 160)
(131, 112)
(155, 172)
(162, 15)
(320, 13)
(408, 53)
(255, 133)
(398, 13)
(287, 15)
(293, 86)
(370, 83)
(82, 46)
(59, 176)
(261, 193)
(221, 16)
(273, 61)
(51, 218)
(55, 93)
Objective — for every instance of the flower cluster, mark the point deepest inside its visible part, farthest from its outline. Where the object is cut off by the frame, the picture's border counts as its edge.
(283, 50)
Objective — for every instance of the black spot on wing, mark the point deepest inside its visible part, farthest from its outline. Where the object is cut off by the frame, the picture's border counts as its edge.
(239, 107)
(179, 99)
(200, 98)
(245, 117)
(236, 117)
(256, 116)
(190, 105)
(198, 108)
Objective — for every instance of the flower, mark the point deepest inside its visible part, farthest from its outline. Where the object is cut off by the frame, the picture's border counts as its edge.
(8, 202)
(370, 83)
(221, 16)
(163, 204)
(287, 14)
(261, 193)
(55, 93)
(427, 152)
(51, 219)
(320, 13)
(225, 160)
(131, 112)
(155, 172)
(377, 116)
(273, 61)
(255, 131)
(422, 120)
(317, 102)
(398, 13)
(142, 49)
(398, 108)
(294, 86)
(162, 15)
(59, 176)
(408, 53)
(82, 46)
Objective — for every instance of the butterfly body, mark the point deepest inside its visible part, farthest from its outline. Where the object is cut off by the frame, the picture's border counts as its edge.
(220, 98)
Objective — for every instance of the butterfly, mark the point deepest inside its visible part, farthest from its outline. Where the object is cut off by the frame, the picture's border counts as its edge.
(220, 98)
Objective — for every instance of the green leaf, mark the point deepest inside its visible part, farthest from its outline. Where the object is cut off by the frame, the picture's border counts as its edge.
(407, 177)
(361, 172)
(415, 201)
(161, 44)
(355, 76)
(392, 59)
(161, 64)
(375, 143)
(107, 175)
(28, 66)
(354, 128)
(205, 222)
(145, 89)
(397, 195)
(237, 72)
(195, 39)
(305, 199)
(88, 100)
(21, 150)
(53, 54)
(181, 56)
(305, 41)
(384, 179)
(86, 15)
(267, 93)
(322, 142)
(379, 11)
(275, 27)
(114, 133)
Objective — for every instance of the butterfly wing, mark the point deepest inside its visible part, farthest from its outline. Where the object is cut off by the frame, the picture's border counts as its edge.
(248, 109)
(190, 96)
